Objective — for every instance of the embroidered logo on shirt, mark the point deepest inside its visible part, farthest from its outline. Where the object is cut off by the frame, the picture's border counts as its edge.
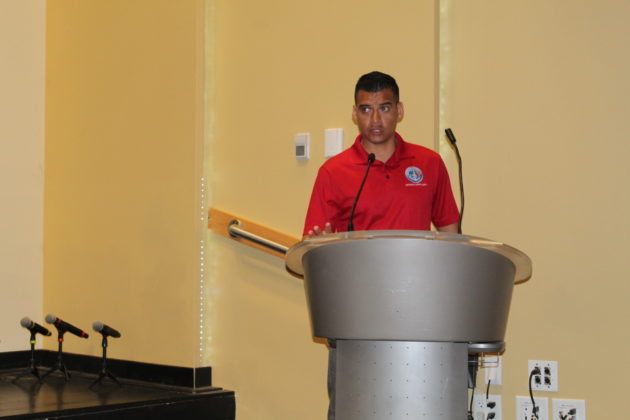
(414, 174)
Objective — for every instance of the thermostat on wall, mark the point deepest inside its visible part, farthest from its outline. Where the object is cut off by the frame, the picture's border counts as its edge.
(302, 146)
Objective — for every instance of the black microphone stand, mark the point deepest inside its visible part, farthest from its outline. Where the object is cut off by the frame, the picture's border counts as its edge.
(60, 366)
(32, 368)
(371, 158)
(104, 372)
(453, 141)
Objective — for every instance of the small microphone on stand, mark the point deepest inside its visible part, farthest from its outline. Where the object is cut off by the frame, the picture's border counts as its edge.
(62, 328)
(34, 327)
(106, 331)
(98, 326)
(370, 160)
(451, 138)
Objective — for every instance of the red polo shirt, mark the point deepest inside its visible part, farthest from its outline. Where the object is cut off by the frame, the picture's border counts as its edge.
(408, 192)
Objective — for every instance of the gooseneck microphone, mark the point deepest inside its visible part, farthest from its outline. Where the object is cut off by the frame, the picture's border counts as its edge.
(370, 160)
(63, 326)
(451, 138)
(34, 327)
(106, 330)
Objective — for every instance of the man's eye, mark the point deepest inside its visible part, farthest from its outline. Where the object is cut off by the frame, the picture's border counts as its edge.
(386, 108)
(365, 110)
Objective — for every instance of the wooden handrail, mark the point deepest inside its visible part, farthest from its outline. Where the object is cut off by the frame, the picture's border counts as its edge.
(219, 222)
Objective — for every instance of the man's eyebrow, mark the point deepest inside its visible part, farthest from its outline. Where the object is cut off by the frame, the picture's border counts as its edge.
(369, 105)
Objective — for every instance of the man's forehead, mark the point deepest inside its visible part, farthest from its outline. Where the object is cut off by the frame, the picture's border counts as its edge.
(379, 97)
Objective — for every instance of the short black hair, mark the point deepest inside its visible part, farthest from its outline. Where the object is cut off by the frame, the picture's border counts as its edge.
(375, 82)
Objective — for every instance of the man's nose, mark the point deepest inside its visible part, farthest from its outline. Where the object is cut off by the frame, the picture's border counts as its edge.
(375, 116)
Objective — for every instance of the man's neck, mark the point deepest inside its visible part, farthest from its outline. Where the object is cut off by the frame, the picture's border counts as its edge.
(382, 151)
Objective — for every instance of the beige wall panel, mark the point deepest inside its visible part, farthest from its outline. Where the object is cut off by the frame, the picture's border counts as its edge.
(261, 344)
(537, 93)
(123, 157)
(22, 27)
(285, 67)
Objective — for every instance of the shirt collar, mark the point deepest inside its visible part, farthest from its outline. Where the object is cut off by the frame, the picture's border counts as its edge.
(401, 152)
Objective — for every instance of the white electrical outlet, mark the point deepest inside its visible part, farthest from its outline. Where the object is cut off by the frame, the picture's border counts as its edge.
(568, 409)
(486, 409)
(524, 408)
(494, 369)
(547, 379)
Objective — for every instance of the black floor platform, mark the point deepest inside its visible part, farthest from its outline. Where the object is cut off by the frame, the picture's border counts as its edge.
(56, 398)
(146, 390)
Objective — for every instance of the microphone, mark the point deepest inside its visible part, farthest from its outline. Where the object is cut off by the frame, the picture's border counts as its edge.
(63, 326)
(370, 160)
(451, 138)
(106, 330)
(34, 327)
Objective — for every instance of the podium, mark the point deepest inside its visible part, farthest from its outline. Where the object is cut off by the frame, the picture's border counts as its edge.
(406, 308)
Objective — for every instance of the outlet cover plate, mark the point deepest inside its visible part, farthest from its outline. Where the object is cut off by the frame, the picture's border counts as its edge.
(524, 408)
(482, 407)
(493, 372)
(547, 380)
(560, 409)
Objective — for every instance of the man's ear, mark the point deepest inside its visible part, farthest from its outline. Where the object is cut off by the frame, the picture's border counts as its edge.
(354, 114)
(401, 111)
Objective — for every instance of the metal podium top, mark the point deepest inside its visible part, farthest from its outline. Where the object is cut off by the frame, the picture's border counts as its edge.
(522, 263)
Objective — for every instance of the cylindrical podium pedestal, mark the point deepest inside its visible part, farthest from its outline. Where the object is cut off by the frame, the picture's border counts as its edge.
(378, 380)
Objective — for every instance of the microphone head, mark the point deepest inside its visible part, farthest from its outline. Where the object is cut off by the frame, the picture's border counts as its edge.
(51, 319)
(450, 135)
(371, 157)
(98, 326)
(26, 322)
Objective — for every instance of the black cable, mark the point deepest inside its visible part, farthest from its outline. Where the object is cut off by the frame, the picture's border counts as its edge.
(472, 381)
(535, 371)
(470, 410)
(488, 389)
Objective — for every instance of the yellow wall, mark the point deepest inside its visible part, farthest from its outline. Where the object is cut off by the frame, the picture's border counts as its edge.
(124, 147)
(283, 67)
(537, 93)
(22, 26)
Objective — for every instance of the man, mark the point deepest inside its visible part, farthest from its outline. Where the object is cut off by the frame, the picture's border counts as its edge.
(407, 187)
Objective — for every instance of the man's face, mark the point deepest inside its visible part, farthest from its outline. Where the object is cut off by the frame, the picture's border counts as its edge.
(376, 115)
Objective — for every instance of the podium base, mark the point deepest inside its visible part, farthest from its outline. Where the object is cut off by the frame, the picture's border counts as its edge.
(377, 380)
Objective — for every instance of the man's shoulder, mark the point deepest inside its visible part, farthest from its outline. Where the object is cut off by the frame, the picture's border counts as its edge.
(421, 151)
(421, 155)
(341, 160)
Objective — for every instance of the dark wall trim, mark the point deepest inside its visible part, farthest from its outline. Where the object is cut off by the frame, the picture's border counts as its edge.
(193, 378)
